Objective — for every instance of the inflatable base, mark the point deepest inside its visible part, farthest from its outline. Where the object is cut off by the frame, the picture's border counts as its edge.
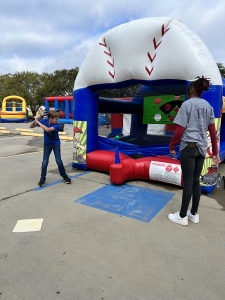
(123, 168)
(13, 120)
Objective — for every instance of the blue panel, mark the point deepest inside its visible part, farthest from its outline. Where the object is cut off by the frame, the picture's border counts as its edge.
(157, 87)
(46, 104)
(128, 200)
(214, 97)
(160, 87)
(222, 131)
(79, 166)
(71, 106)
(222, 149)
(207, 189)
(223, 81)
(136, 123)
(67, 109)
(56, 104)
(86, 109)
(62, 106)
(130, 149)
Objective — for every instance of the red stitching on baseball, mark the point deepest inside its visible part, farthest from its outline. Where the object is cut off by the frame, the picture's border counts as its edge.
(111, 64)
(155, 44)
(108, 52)
(155, 47)
(149, 72)
(151, 58)
(112, 75)
(103, 44)
(163, 30)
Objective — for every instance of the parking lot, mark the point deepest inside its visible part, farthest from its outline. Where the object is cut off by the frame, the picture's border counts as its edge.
(81, 252)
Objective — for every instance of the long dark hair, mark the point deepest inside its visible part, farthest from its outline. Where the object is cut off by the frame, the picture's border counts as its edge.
(200, 85)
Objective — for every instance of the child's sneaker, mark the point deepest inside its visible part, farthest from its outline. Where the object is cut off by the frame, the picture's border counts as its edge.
(193, 218)
(41, 182)
(177, 219)
(67, 179)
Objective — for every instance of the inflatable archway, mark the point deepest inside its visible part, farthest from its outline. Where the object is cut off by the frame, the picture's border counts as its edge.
(14, 109)
(160, 53)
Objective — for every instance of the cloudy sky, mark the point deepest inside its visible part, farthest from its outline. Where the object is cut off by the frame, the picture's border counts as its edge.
(48, 35)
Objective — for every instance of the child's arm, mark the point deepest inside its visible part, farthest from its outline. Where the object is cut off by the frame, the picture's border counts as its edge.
(80, 146)
(47, 129)
(33, 124)
(212, 131)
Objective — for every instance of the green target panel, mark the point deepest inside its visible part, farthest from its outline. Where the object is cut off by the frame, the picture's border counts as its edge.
(161, 109)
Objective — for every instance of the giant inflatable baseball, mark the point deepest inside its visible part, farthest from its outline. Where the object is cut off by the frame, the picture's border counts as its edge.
(163, 55)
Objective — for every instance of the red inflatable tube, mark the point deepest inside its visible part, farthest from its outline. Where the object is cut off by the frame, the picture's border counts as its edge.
(101, 160)
(159, 168)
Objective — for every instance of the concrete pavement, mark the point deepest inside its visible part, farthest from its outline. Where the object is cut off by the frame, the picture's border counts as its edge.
(91, 254)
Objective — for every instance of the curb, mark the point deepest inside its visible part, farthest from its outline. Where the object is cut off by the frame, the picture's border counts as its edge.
(67, 138)
(26, 130)
(4, 131)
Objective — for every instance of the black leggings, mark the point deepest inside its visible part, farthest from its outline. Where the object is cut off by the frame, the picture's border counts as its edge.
(191, 164)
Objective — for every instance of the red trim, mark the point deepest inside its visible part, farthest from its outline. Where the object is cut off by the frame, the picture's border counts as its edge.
(59, 98)
(10, 113)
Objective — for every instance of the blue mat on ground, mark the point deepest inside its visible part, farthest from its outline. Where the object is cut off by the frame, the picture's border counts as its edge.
(128, 200)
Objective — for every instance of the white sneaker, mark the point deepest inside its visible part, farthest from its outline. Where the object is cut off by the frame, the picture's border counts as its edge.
(177, 219)
(193, 218)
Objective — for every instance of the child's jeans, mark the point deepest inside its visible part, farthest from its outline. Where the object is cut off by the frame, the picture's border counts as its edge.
(57, 152)
(191, 164)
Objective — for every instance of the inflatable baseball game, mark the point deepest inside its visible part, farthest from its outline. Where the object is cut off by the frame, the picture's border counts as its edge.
(163, 55)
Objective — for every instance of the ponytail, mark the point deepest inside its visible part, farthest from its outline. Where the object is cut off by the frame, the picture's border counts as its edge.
(200, 85)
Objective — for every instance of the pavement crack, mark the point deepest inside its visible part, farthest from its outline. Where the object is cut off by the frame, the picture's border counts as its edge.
(12, 196)
(103, 183)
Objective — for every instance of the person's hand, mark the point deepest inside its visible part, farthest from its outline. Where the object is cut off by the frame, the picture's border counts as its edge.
(36, 118)
(173, 153)
(216, 159)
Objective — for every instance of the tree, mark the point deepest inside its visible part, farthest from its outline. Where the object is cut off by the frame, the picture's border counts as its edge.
(26, 85)
(34, 87)
(221, 69)
(4, 86)
(60, 83)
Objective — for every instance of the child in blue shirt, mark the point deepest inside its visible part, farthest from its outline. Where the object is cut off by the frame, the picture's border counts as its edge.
(50, 126)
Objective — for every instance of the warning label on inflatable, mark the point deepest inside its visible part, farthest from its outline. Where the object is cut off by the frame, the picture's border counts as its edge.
(166, 172)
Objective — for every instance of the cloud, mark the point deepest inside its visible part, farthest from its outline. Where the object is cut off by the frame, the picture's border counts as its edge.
(43, 36)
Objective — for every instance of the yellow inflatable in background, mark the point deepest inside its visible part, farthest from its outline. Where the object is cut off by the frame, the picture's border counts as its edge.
(14, 109)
